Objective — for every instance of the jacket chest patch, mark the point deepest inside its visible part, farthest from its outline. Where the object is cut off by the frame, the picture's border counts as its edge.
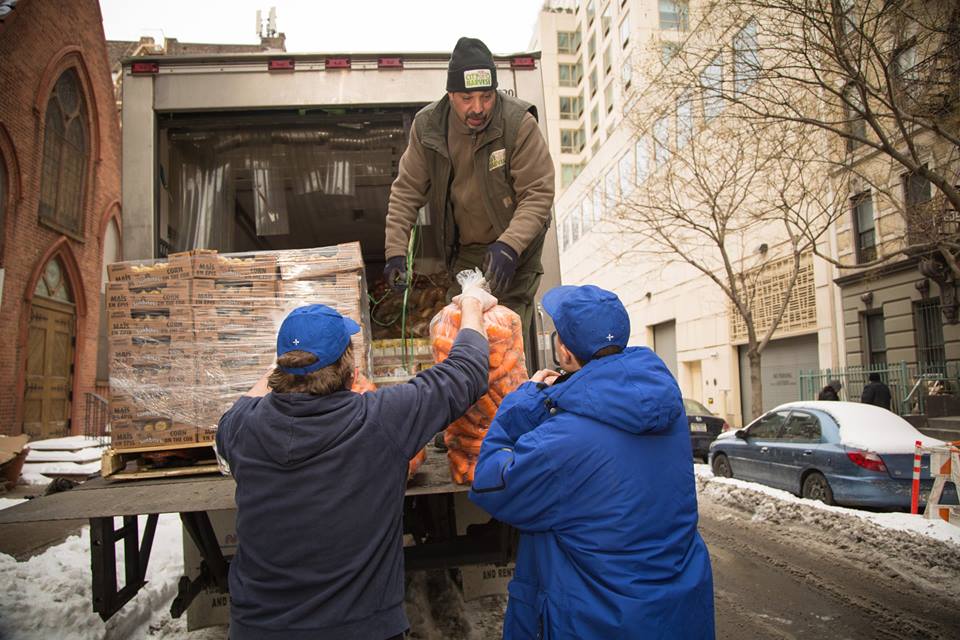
(498, 159)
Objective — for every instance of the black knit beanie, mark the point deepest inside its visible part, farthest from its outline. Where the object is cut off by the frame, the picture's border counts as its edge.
(471, 67)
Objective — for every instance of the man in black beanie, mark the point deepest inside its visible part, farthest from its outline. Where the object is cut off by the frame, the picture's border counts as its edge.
(488, 178)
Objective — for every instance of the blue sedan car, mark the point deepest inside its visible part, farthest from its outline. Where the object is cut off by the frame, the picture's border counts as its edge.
(837, 452)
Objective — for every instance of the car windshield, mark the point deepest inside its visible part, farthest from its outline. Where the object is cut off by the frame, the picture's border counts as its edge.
(694, 408)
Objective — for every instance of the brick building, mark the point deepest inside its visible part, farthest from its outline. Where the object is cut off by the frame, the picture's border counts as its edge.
(59, 210)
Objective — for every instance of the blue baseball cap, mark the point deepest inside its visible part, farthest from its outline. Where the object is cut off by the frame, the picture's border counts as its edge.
(316, 329)
(587, 318)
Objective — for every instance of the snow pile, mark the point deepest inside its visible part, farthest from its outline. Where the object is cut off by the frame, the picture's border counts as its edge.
(48, 596)
(436, 610)
(9, 502)
(777, 506)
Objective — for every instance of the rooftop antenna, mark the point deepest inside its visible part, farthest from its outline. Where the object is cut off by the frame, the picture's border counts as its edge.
(272, 23)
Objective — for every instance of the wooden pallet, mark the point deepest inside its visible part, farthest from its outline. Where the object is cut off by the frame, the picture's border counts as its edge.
(131, 464)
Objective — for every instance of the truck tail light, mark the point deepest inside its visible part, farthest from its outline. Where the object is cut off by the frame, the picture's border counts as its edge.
(280, 64)
(390, 63)
(337, 63)
(867, 460)
(523, 62)
(143, 68)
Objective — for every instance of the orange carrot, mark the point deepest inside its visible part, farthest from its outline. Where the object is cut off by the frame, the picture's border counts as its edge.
(510, 360)
(497, 333)
(459, 459)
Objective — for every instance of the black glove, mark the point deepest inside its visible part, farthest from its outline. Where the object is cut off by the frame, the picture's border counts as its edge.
(499, 266)
(395, 273)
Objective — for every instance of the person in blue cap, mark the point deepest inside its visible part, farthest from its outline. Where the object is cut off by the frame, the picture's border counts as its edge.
(594, 469)
(321, 473)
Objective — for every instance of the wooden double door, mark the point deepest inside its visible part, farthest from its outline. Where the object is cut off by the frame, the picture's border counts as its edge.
(49, 369)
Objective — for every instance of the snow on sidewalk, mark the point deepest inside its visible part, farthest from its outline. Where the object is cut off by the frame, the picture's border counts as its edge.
(768, 500)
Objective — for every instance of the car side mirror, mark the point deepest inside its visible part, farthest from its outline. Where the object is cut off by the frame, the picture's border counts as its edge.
(741, 433)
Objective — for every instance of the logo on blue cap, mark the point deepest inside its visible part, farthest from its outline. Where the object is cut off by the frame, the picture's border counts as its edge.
(587, 318)
(316, 329)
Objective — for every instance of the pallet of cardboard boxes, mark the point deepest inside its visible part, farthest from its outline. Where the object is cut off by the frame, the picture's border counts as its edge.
(191, 333)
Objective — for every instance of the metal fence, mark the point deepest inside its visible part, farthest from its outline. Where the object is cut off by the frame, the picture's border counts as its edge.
(909, 384)
(95, 418)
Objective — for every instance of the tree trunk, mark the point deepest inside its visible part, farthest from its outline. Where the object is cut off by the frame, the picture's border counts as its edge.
(756, 385)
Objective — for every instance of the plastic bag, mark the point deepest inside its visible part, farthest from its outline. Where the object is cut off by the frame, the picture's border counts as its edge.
(508, 370)
(363, 385)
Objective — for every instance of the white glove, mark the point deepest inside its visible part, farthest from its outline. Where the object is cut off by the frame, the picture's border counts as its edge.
(485, 298)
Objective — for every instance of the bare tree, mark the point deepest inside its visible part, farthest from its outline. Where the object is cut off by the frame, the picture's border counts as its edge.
(743, 203)
(880, 77)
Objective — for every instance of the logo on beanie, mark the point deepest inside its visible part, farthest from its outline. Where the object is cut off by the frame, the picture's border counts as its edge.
(477, 79)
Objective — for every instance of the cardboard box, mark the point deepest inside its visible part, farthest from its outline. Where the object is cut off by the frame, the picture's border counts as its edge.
(237, 292)
(162, 295)
(149, 322)
(252, 318)
(249, 266)
(203, 263)
(148, 272)
(210, 607)
(149, 431)
(320, 261)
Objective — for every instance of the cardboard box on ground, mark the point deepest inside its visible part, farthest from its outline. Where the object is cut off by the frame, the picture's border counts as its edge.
(479, 580)
(191, 333)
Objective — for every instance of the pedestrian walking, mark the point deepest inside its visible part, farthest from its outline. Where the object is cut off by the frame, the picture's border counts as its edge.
(876, 392)
(321, 473)
(831, 391)
(593, 467)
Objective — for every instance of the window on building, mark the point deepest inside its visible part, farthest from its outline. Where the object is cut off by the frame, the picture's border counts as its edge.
(928, 327)
(607, 60)
(610, 183)
(592, 47)
(606, 20)
(570, 73)
(875, 339)
(746, 58)
(675, 14)
(667, 51)
(64, 155)
(905, 63)
(625, 173)
(661, 140)
(569, 173)
(595, 118)
(595, 147)
(608, 96)
(571, 140)
(591, 11)
(916, 193)
(864, 227)
(642, 151)
(626, 74)
(568, 41)
(711, 84)
(571, 107)
(586, 208)
(575, 226)
(593, 82)
(625, 31)
(684, 118)
(597, 202)
(853, 109)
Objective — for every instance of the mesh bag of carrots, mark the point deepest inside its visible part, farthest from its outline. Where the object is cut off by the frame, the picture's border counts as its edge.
(361, 384)
(508, 370)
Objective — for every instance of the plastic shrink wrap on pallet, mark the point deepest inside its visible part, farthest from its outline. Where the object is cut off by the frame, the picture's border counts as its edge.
(191, 333)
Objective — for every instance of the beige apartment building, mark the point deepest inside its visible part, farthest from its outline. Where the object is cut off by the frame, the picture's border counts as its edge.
(593, 56)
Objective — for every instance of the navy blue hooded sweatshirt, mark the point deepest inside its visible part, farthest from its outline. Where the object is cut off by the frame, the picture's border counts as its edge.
(320, 485)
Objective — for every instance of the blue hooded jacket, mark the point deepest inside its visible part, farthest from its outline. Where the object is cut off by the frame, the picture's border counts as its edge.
(596, 472)
(320, 486)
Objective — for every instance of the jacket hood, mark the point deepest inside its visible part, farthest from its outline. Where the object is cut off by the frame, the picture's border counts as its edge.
(633, 391)
(303, 425)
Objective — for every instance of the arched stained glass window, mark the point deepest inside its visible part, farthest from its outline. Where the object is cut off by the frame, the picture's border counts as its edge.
(65, 145)
(53, 282)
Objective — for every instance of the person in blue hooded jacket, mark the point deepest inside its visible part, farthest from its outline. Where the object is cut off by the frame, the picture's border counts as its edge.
(594, 468)
(321, 473)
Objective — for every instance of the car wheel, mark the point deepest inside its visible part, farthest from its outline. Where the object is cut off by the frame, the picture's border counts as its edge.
(816, 487)
(721, 466)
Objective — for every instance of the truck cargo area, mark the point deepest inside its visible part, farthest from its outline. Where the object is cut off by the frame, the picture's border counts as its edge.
(282, 179)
